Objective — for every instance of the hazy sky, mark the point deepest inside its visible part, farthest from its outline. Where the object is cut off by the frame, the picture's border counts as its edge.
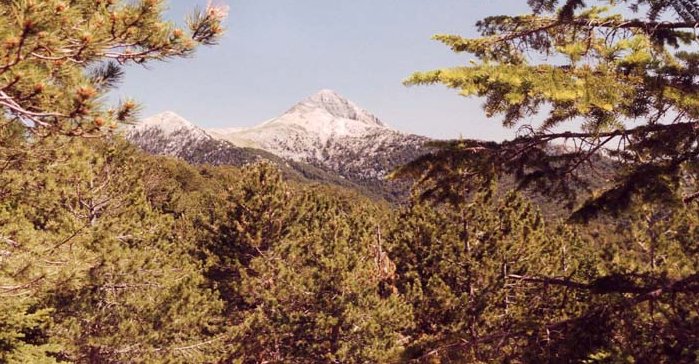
(277, 52)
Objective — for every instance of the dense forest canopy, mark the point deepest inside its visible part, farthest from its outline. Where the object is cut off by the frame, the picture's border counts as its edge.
(109, 255)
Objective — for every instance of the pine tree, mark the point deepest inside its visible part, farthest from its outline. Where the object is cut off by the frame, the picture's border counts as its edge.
(489, 281)
(319, 294)
(460, 266)
(23, 336)
(58, 58)
(89, 268)
(626, 293)
(624, 86)
(94, 267)
(652, 257)
(303, 272)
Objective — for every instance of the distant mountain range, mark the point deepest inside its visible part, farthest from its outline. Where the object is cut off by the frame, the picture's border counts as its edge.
(325, 137)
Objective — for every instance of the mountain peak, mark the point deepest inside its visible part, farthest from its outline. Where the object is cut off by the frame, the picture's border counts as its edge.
(167, 124)
(337, 106)
(167, 121)
(327, 97)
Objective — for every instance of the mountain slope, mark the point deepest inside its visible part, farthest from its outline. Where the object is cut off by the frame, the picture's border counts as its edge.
(170, 134)
(325, 137)
(329, 131)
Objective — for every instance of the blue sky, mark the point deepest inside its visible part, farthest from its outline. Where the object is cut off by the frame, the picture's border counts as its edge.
(277, 52)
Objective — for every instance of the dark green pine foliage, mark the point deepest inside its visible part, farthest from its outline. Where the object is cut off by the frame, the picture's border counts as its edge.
(460, 266)
(489, 281)
(86, 247)
(111, 256)
(89, 270)
(23, 328)
(304, 274)
(652, 256)
(241, 221)
(106, 258)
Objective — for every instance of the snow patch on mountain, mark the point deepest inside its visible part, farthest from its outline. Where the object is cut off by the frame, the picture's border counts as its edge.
(168, 123)
(167, 134)
(317, 130)
(325, 131)
(336, 106)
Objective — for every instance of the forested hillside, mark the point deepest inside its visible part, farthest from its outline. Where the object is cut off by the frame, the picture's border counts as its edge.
(111, 255)
(107, 258)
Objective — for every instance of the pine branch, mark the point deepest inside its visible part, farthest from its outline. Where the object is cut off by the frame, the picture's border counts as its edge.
(600, 286)
(14, 107)
(686, 285)
(640, 130)
(548, 24)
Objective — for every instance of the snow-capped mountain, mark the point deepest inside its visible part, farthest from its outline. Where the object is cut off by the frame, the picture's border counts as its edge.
(171, 128)
(170, 134)
(325, 131)
(307, 127)
(328, 130)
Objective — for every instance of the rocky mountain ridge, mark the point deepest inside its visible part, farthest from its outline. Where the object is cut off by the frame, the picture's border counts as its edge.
(322, 129)
(325, 134)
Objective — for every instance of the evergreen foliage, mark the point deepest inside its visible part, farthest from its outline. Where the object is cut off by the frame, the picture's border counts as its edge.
(58, 58)
(622, 86)
(100, 259)
(490, 281)
(106, 258)
(303, 273)
(457, 265)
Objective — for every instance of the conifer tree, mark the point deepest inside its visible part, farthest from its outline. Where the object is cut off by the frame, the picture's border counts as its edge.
(606, 84)
(93, 272)
(489, 281)
(240, 221)
(23, 336)
(320, 294)
(58, 58)
(303, 272)
(627, 85)
(457, 265)
(90, 270)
